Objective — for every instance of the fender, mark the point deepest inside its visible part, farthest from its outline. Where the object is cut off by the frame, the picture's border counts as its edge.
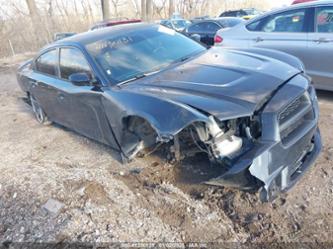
(123, 104)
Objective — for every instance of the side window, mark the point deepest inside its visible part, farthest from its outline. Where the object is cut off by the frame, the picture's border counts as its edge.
(241, 13)
(167, 24)
(290, 21)
(48, 63)
(194, 28)
(228, 13)
(212, 27)
(72, 61)
(253, 26)
(324, 20)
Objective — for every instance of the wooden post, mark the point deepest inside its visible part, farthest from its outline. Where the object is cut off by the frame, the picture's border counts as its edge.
(11, 47)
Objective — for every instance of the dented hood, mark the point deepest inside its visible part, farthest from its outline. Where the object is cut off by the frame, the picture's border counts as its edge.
(224, 83)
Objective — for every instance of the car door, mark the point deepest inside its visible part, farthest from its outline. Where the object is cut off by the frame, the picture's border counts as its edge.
(285, 31)
(318, 61)
(45, 85)
(87, 115)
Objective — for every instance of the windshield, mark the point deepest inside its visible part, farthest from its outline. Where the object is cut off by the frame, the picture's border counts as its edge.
(179, 24)
(226, 23)
(252, 12)
(141, 52)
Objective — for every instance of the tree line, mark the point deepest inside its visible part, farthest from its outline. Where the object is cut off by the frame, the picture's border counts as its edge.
(27, 25)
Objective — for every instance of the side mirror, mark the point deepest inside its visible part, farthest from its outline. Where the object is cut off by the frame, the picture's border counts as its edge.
(196, 37)
(80, 79)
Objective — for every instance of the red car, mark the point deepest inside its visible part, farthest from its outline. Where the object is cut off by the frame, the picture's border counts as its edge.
(301, 1)
(114, 22)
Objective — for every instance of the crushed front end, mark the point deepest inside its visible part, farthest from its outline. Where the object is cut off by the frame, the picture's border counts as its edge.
(285, 144)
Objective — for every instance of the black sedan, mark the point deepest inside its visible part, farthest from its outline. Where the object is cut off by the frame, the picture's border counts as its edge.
(205, 30)
(136, 87)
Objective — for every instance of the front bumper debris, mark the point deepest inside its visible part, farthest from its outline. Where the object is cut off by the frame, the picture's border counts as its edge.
(279, 159)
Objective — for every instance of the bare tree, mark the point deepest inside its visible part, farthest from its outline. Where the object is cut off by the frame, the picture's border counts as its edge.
(143, 10)
(116, 4)
(136, 7)
(33, 12)
(171, 7)
(149, 10)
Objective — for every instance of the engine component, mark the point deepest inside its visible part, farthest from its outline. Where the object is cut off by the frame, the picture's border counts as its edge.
(224, 145)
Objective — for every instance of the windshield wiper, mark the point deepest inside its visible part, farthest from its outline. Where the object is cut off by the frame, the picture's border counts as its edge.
(136, 77)
(139, 76)
(186, 57)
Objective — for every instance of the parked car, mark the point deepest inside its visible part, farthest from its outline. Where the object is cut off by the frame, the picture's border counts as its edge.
(242, 13)
(59, 36)
(200, 18)
(206, 29)
(301, 1)
(303, 30)
(175, 24)
(136, 87)
(114, 22)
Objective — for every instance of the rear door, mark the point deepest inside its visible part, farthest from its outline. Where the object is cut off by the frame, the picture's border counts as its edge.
(318, 62)
(284, 31)
(45, 85)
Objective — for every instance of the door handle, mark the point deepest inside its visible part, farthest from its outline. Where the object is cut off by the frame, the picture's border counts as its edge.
(258, 39)
(323, 40)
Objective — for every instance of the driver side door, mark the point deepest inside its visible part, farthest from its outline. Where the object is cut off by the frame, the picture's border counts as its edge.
(87, 113)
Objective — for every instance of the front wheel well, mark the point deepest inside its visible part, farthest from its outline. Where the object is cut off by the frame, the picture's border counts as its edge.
(141, 128)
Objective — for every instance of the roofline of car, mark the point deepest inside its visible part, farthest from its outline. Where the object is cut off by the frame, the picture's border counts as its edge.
(291, 7)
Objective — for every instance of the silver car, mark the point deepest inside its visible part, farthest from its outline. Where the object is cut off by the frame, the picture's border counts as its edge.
(303, 30)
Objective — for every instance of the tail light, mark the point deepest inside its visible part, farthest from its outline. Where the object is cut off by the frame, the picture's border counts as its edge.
(218, 39)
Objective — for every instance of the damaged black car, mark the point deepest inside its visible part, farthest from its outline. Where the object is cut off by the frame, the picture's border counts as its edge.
(254, 112)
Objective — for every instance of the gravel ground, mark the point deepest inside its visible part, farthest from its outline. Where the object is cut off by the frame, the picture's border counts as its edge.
(56, 185)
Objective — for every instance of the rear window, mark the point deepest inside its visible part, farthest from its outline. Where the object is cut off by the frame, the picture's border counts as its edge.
(324, 20)
(47, 63)
(253, 26)
(230, 22)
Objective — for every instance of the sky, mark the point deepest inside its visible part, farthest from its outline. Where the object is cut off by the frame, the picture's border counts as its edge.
(279, 3)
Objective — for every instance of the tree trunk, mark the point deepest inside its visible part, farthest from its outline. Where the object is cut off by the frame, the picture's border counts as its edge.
(149, 10)
(143, 10)
(33, 12)
(105, 9)
(171, 7)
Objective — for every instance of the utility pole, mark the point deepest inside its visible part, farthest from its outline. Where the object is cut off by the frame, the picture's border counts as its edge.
(105, 9)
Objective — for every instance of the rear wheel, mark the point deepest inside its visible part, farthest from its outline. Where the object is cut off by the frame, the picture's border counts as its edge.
(39, 113)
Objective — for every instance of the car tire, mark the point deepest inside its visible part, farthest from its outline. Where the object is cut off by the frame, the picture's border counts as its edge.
(39, 113)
